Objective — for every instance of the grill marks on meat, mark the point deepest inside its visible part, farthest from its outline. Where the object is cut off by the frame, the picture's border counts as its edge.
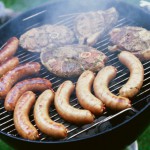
(91, 26)
(72, 60)
(133, 39)
(46, 37)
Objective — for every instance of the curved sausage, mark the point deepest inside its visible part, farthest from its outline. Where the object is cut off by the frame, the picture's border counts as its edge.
(135, 81)
(101, 90)
(8, 65)
(68, 112)
(21, 118)
(34, 84)
(9, 49)
(11, 77)
(42, 119)
(83, 91)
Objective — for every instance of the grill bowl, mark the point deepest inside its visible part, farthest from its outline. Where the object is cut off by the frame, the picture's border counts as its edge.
(126, 125)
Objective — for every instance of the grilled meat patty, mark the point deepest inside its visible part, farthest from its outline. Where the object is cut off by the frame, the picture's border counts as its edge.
(46, 37)
(90, 26)
(72, 60)
(133, 39)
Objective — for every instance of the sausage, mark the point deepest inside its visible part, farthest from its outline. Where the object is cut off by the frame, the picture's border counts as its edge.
(83, 91)
(9, 49)
(135, 81)
(42, 119)
(65, 110)
(101, 90)
(8, 65)
(21, 116)
(11, 77)
(34, 84)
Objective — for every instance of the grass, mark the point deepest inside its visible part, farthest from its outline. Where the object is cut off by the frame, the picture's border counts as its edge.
(4, 146)
(144, 140)
(21, 5)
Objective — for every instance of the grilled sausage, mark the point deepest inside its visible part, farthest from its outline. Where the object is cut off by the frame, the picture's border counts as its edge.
(9, 79)
(83, 91)
(42, 119)
(9, 65)
(9, 49)
(67, 111)
(101, 90)
(21, 118)
(34, 84)
(135, 82)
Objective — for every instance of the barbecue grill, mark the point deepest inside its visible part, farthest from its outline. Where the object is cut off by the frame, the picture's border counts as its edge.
(113, 130)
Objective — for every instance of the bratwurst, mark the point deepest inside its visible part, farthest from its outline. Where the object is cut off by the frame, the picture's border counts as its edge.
(101, 90)
(42, 118)
(11, 77)
(34, 84)
(9, 49)
(135, 82)
(8, 65)
(65, 110)
(83, 91)
(21, 118)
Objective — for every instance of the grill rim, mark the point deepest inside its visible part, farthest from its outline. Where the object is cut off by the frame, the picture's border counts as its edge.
(76, 139)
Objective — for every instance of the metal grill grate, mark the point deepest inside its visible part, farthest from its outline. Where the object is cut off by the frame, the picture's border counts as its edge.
(6, 118)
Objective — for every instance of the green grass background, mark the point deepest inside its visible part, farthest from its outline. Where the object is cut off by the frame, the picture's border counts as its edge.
(22, 5)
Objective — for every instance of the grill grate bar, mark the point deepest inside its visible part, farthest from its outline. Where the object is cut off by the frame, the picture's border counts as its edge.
(3, 45)
(105, 40)
(2, 108)
(140, 100)
(112, 59)
(4, 117)
(3, 112)
(7, 127)
(6, 122)
(11, 131)
(52, 78)
(21, 54)
(25, 55)
(144, 90)
(24, 60)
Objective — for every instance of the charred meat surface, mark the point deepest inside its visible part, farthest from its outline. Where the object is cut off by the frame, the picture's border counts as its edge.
(91, 26)
(46, 37)
(133, 39)
(72, 60)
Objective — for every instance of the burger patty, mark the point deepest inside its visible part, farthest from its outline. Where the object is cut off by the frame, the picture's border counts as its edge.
(133, 39)
(91, 26)
(72, 60)
(46, 37)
